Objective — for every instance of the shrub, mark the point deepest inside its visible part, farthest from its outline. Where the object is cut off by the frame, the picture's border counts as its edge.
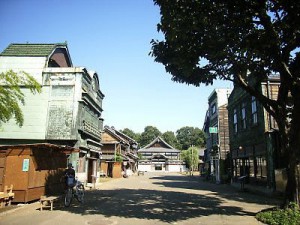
(287, 216)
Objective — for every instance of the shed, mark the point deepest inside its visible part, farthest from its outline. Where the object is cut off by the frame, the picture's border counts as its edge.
(33, 169)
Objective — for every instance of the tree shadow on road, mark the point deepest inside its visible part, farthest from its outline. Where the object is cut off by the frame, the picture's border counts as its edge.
(222, 190)
(167, 206)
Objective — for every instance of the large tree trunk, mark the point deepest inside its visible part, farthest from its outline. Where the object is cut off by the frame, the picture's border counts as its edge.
(290, 137)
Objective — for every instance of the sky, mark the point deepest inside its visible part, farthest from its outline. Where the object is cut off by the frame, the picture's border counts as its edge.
(113, 38)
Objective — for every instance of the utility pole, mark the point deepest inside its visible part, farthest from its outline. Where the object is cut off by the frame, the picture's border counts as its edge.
(192, 160)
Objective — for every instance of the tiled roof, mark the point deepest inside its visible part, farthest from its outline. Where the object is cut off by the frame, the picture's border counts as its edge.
(31, 49)
(158, 139)
(159, 150)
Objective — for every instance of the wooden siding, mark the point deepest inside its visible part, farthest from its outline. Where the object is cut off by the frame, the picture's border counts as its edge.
(45, 170)
(108, 138)
(223, 130)
(254, 134)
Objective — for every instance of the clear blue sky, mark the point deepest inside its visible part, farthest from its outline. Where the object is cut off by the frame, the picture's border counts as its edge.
(113, 38)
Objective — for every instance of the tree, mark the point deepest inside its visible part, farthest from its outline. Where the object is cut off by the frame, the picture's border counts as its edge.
(191, 157)
(170, 138)
(149, 134)
(11, 95)
(188, 136)
(239, 41)
(131, 134)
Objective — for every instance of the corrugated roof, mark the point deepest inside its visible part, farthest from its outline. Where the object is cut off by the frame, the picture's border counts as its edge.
(31, 49)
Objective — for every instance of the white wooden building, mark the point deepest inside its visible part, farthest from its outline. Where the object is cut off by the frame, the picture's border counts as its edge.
(67, 112)
(160, 156)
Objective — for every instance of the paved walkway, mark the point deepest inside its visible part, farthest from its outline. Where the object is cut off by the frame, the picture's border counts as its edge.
(160, 198)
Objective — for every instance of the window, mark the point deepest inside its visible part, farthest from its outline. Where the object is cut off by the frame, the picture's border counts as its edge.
(213, 109)
(244, 125)
(235, 123)
(254, 110)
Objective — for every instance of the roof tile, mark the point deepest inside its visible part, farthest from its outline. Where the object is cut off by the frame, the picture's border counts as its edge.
(30, 49)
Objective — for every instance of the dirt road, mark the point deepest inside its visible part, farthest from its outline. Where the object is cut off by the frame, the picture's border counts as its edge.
(160, 198)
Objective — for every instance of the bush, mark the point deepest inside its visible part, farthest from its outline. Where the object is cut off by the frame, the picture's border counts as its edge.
(288, 216)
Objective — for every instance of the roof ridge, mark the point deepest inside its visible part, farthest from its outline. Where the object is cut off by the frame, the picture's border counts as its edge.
(161, 139)
(31, 49)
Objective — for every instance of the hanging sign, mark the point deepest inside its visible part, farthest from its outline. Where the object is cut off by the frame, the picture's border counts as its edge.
(25, 167)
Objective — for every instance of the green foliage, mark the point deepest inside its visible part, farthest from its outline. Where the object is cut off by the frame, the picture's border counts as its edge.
(119, 158)
(188, 136)
(11, 95)
(240, 41)
(140, 156)
(191, 157)
(131, 134)
(149, 134)
(184, 138)
(227, 39)
(170, 138)
(287, 216)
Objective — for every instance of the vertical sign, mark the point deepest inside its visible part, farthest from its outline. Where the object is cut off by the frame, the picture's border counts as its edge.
(25, 167)
(213, 130)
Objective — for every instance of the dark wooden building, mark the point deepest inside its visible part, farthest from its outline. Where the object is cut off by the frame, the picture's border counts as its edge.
(217, 133)
(254, 144)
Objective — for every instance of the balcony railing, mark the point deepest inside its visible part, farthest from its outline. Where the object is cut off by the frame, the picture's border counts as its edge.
(90, 128)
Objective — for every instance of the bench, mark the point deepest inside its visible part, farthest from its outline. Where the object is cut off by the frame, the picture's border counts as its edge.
(47, 201)
(242, 180)
(6, 196)
(141, 173)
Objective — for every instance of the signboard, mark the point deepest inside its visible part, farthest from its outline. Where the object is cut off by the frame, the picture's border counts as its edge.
(25, 167)
(213, 130)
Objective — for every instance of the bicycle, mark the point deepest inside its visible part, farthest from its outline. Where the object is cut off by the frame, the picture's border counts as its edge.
(75, 189)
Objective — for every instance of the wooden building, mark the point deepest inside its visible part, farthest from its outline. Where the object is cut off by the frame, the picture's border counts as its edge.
(68, 110)
(217, 133)
(254, 144)
(160, 156)
(33, 169)
(119, 153)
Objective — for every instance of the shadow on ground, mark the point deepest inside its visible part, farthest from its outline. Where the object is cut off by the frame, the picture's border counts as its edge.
(222, 190)
(168, 205)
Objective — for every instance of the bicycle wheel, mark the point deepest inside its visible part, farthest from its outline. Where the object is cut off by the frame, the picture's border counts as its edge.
(68, 197)
(80, 193)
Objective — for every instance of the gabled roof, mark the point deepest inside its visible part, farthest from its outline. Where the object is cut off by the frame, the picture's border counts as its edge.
(158, 139)
(129, 139)
(165, 147)
(112, 132)
(120, 136)
(31, 49)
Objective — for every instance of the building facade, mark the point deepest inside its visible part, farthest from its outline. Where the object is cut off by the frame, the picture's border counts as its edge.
(217, 133)
(254, 145)
(160, 156)
(118, 148)
(67, 111)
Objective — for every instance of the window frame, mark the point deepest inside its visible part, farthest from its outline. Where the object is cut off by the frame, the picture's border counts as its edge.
(235, 121)
(213, 109)
(243, 116)
(254, 110)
